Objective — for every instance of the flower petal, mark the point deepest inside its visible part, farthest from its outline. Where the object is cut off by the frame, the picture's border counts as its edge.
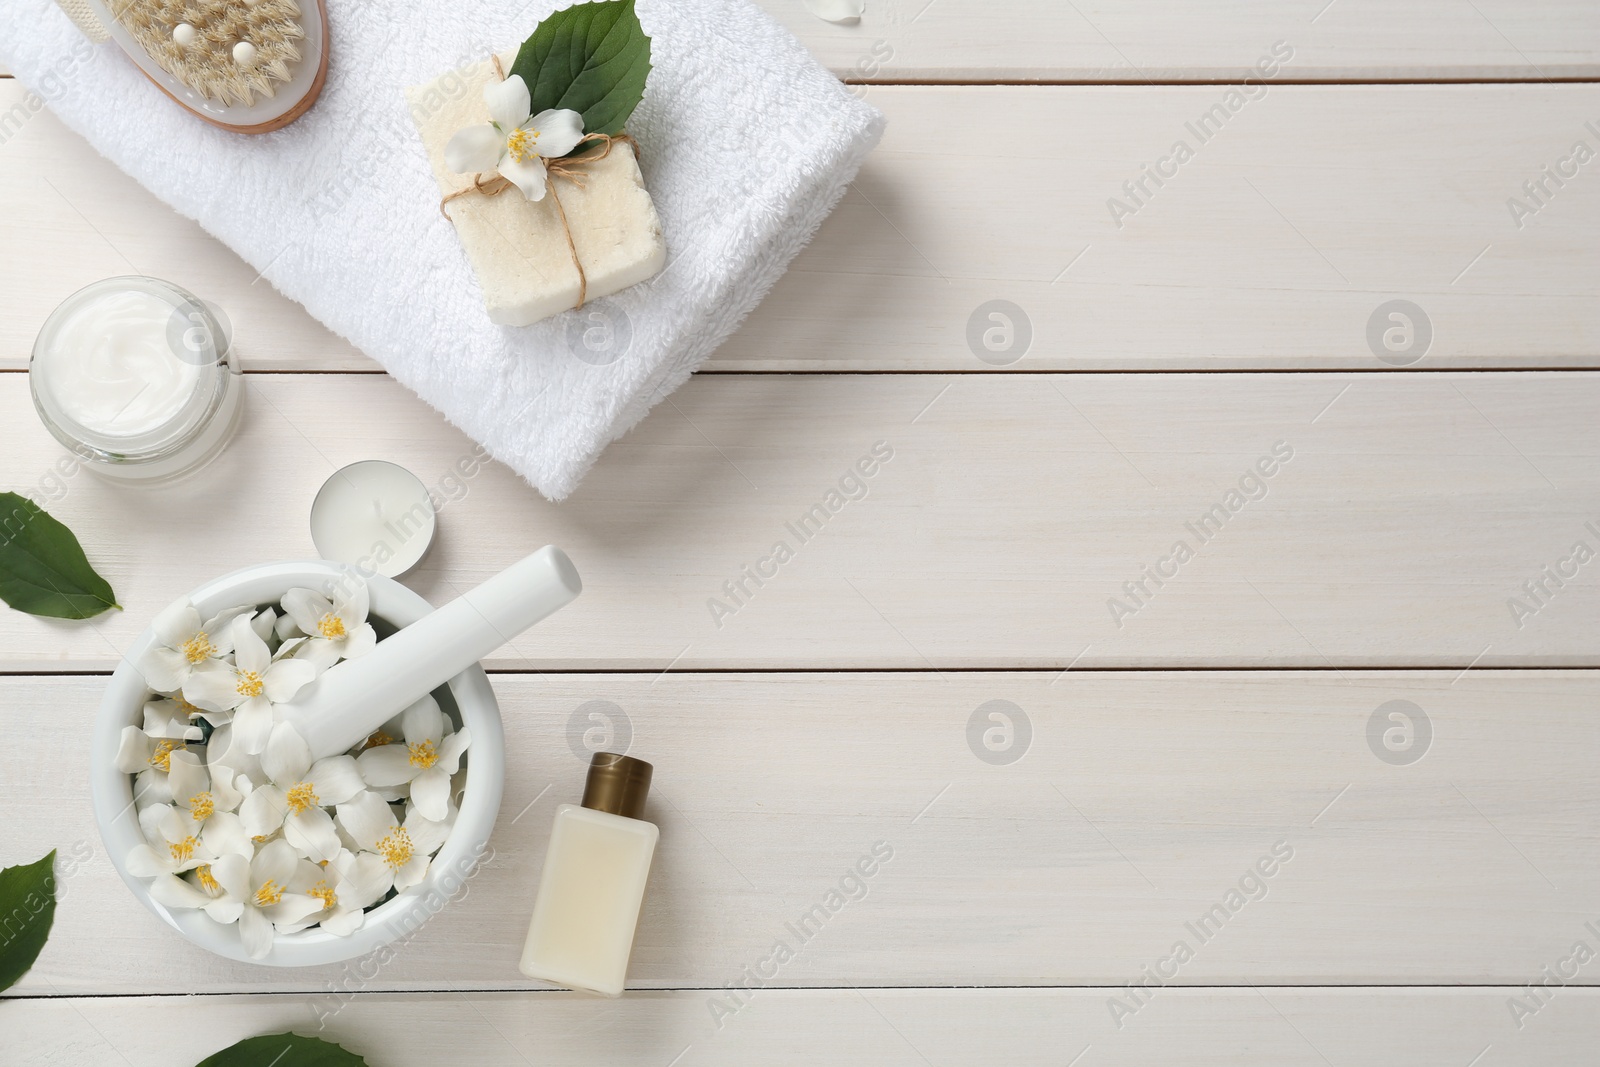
(265, 624)
(255, 931)
(473, 150)
(186, 776)
(451, 750)
(287, 756)
(352, 610)
(164, 669)
(225, 910)
(423, 721)
(215, 688)
(232, 873)
(311, 831)
(177, 622)
(386, 765)
(292, 908)
(430, 792)
(363, 877)
(252, 725)
(287, 677)
(528, 176)
(306, 607)
(559, 131)
(509, 102)
(249, 651)
(219, 627)
(274, 863)
(344, 921)
(335, 779)
(174, 892)
(225, 834)
(426, 834)
(367, 818)
(412, 872)
(151, 787)
(362, 640)
(143, 862)
(133, 751)
(264, 810)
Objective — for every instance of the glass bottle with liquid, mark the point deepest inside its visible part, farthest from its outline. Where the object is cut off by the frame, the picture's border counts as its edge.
(592, 885)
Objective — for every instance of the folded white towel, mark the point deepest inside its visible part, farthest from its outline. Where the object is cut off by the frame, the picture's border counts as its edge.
(746, 144)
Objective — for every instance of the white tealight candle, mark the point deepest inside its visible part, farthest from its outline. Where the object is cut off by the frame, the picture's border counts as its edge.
(374, 515)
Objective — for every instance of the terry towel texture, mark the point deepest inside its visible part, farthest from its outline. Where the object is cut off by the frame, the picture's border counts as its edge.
(746, 144)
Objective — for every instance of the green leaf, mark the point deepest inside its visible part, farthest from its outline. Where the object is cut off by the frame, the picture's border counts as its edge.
(592, 59)
(27, 908)
(42, 567)
(283, 1050)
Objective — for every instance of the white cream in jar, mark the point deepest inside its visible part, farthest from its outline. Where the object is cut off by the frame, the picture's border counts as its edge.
(134, 375)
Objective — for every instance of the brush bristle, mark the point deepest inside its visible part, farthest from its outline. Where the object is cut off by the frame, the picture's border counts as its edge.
(206, 64)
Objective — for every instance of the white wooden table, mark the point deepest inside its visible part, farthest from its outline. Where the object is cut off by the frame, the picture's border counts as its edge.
(1217, 724)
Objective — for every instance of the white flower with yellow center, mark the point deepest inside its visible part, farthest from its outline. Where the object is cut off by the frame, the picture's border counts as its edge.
(404, 847)
(166, 718)
(200, 888)
(294, 794)
(184, 644)
(196, 790)
(425, 761)
(514, 143)
(175, 842)
(262, 888)
(249, 686)
(347, 885)
(149, 760)
(338, 629)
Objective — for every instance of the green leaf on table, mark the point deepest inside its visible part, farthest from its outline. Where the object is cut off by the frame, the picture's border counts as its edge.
(43, 570)
(283, 1050)
(591, 58)
(27, 908)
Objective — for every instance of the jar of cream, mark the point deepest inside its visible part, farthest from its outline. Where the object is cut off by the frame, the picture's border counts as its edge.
(135, 376)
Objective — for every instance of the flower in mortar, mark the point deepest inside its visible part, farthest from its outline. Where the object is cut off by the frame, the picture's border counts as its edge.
(249, 686)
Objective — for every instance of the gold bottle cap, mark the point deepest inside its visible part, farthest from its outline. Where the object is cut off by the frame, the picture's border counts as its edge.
(617, 784)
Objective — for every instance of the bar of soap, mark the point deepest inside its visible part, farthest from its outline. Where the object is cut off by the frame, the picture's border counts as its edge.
(516, 246)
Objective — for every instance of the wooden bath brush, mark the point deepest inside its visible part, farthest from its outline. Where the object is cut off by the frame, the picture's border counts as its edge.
(250, 66)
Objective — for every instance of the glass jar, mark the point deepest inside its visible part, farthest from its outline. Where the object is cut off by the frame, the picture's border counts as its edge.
(135, 375)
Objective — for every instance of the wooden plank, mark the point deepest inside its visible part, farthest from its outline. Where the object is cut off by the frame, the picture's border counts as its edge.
(1135, 803)
(1142, 41)
(873, 1028)
(1009, 529)
(1275, 246)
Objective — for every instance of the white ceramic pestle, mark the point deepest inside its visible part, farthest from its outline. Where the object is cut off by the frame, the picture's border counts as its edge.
(352, 699)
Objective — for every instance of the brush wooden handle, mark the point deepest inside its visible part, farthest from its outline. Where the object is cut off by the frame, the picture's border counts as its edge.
(352, 699)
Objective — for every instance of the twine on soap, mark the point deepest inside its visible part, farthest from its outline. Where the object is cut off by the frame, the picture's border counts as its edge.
(565, 167)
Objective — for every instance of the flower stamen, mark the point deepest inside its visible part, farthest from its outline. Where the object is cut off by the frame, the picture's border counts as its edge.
(523, 145)
(423, 754)
(198, 648)
(269, 894)
(395, 849)
(183, 851)
(161, 758)
(331, 627)
(323, 892)
(208, 881)
(378, 738)
(302, 797)
(251, 684)
(201, 807)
